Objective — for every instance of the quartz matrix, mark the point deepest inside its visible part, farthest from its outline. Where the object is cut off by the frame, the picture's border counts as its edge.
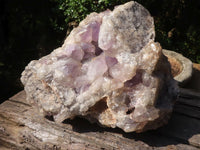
(109, 70)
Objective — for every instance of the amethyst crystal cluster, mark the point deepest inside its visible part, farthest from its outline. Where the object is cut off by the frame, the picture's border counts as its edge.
(109, 70)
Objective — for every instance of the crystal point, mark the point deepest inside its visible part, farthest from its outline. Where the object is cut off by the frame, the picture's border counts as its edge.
(109, 69)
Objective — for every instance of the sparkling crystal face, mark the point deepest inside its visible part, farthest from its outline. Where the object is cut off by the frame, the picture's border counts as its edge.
(108, 69)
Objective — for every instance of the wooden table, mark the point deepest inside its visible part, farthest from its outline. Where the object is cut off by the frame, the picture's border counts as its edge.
(22, 128)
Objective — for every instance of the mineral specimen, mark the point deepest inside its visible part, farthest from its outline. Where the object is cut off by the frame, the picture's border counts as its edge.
(109, 70)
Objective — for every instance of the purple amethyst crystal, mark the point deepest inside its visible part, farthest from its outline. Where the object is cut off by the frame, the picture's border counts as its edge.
(108, 70)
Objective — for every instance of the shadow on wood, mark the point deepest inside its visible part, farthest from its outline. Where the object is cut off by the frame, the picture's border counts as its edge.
(21, 127)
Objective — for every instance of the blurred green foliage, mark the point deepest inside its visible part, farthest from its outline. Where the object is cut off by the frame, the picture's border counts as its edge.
(77, 10)
(31, 29)
(177, 22)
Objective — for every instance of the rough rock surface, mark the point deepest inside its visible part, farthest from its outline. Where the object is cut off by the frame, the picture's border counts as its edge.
(109, 70)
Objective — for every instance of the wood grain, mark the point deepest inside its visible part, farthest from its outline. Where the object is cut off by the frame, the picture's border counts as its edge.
(21, 127)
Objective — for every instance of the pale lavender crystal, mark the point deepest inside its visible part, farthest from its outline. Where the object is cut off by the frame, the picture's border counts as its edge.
(109, 69)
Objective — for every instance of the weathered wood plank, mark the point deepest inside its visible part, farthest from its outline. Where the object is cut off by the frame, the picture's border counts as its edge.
(178, 147)
(188, 111)
(21, 127)
(188, 103)
(183, 128)
(190, 94)
(185, 121)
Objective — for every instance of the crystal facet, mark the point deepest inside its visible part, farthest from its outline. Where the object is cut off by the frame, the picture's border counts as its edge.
(108, 70)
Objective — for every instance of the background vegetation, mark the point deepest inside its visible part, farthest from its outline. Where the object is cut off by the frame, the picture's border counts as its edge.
(30, 29)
